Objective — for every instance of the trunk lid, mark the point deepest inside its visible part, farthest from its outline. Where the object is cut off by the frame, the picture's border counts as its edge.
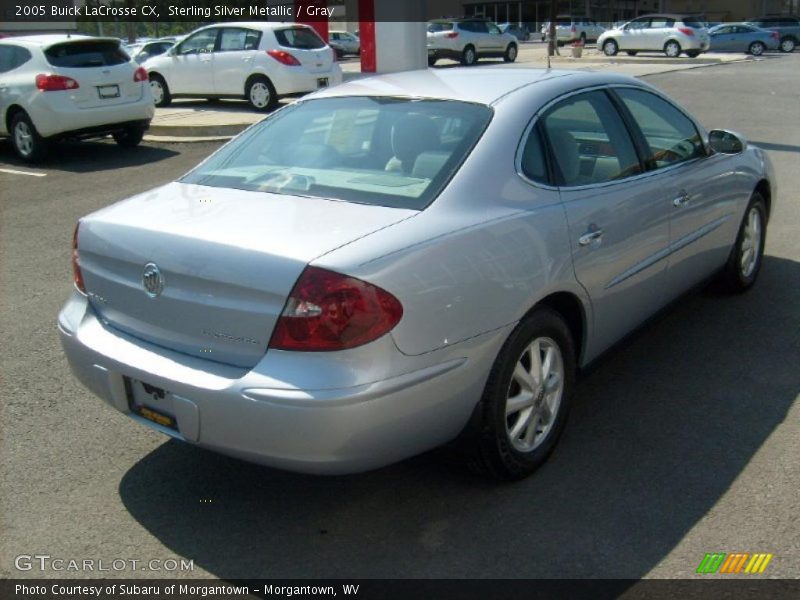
(227, 261)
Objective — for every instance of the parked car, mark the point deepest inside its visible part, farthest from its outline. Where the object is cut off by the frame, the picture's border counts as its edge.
(468, 40)
(520, 32)
(379, 269)
(258, 61)
(740, 37)
(140, 52)
(54, 87)
(344, 43)
(571, 29)
(670, 34)
(787, 26)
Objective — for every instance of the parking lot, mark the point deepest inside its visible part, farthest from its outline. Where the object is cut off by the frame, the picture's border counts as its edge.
(682, 441)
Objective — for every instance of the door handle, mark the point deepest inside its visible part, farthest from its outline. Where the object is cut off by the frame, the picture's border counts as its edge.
(681, 200)
(590, 236)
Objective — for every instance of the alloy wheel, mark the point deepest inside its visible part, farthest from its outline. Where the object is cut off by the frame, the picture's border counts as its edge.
(751, 244)
(23, 138)
(672, 49)
(259, 94)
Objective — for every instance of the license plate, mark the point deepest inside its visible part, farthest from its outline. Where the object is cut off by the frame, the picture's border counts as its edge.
(151, 403)
(108, 91)
(322, 82)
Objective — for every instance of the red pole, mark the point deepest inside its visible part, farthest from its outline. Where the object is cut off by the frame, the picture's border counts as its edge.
(366, 32)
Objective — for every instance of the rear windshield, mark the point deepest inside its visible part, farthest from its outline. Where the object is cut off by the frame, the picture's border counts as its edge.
(88, 53)
(371, 150)
(302, 38)
(434, 27)
(693, 23)
(564, 21)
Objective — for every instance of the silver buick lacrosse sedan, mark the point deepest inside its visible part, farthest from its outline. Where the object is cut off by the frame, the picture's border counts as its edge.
(409, 260)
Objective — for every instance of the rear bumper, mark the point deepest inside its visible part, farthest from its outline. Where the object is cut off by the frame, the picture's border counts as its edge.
(101, 130)
(258, 415)
(450, 53)
(295, 80)
(58, 119)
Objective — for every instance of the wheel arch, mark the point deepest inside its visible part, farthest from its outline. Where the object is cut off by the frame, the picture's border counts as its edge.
(12, 110)
(572, 309)
(763, 187)
(257, 75)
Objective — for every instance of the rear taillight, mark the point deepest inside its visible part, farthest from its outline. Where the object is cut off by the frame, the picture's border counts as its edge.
(77, 276)
(775, 35)
(686, 31)
(451, 35)
(140, 74)
(329, 311)
(573, 29)
(55, 83)
(284, 58)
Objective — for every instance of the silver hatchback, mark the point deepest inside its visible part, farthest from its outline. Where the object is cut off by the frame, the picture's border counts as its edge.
(376, 270)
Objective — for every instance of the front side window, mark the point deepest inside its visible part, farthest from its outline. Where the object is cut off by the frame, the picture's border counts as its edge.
(371, 150)
(670, 135)
(589, 141)
(301, 38)
(201, 42)
(638, 24)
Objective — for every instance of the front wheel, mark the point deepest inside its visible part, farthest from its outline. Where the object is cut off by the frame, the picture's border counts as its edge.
(261, 94)
(788, 44)
(527, 396)
(744, 263)
(610, 48)
(757, 48)
(672, 49)
(130, 137)
(511, 53)
(469, 57)
(26, 141)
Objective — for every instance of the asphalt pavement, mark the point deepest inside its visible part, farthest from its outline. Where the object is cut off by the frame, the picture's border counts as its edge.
(684, 440)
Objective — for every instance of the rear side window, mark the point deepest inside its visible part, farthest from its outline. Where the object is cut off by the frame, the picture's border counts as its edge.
(589, 141)
(238, 39)
(301, 38)
(661, 22)
(671, 136)
(12, 57)
(86, 53)
(533, 162)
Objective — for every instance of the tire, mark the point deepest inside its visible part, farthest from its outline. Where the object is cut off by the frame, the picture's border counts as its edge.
(26, 141)
(692, 53)
(130, 137)
(583, 38)
(160, 90)
(260, 93)
(631, 52)
(511, 53)
(672, 49)
(741, 272)
(788, 44)
(504, 446)
(610, 48)
(431, 61)
(339, 54)
(469, 57)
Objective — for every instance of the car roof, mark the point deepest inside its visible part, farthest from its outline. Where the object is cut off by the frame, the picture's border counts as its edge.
(262, 25)
(483, 86)
(48, 39)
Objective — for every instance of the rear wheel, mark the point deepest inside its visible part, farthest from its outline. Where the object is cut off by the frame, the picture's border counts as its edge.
(788, 44)
(261, 94)
(610, 48)
(632, 53)
(27, 143)
(129, 137)
(511, 53)
(431, 61)
(672, 49)
(744, 263)
(526, 400)
(159, 90)
(692, 53)
(469, 57)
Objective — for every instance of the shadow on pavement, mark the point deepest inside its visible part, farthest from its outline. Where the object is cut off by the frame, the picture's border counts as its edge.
(658, 433)
(776, 147)
(89, 156)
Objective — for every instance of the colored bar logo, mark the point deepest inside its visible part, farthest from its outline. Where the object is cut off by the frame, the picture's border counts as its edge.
(736, 562)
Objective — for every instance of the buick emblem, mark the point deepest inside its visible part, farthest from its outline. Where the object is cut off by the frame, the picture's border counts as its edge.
(152, 280)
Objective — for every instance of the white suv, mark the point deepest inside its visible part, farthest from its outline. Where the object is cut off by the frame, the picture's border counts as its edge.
(571, 29)
(670, 34)
(258, 61)
(467, 40)
(59, 86)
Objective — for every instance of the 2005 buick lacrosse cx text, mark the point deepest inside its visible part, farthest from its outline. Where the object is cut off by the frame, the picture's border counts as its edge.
(409, 260)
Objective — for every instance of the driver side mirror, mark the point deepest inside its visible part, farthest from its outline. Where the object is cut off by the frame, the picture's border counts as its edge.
(726, 142)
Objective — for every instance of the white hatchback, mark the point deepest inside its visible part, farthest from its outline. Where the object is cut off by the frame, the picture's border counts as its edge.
(258, 61)
(670, 34)
(70, 86)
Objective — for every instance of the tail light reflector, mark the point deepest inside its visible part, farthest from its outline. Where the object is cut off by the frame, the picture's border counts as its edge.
(775, 35)
(140, 74)
(77, 276)
(686, 31)
(284, 58)
(451, 35)
(330, 311)
(55, 83)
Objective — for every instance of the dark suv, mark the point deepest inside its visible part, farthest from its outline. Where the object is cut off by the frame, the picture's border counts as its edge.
(787, 26)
